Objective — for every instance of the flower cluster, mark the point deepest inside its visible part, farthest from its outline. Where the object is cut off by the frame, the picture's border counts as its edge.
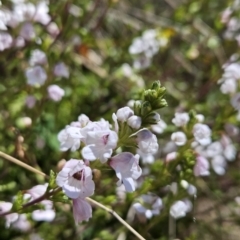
(98, 140)
(21, 221)
(145, 47)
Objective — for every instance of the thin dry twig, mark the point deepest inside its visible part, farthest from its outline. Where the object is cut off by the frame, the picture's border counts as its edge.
(18, 162)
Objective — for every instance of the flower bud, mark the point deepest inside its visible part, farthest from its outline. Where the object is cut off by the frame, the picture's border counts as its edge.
(124, 113)
(159, 103)
(134, 122)
(146, 108)
(153, 118)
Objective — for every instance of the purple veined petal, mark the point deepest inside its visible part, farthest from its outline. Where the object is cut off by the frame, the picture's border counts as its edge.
(129, 184)
(62, 176)
(139, 207)
(82, 210)
(72, 188)
(88, 152)
(73, 163)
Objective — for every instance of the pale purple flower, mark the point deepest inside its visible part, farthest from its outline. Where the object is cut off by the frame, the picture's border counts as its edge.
(36, 76)
(100, 145)
(147, 142)
(147, 158)
(148, 206)
(123, 114)
(180, 119)
(61, 70)
(201, 167)
(41, 13)
(127, 169)
(230, 152)
(179, 209)
(141, 62)
(159, 127)
(10, 218)
(171, 156)
(47, 214)
(82, 210)
(225, 16)
(179, 138)
(55, 92)
(235, 101)
(6, 41)
(76, 179)
(202, 133)
(219, 164)
(214, 149)
(134, 122)
(30, 101)
(83, 120)
(22, 223)
(229, 86)
(27, 31)
(19, 42)
(115, 121)
(70, 138)
(53, 29)
(200, 118)
(38, 57)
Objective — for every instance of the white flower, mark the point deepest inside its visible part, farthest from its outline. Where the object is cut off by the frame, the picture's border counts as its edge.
(41, 13)
(61, 70)
(38, 57)
(53, 29)
(55, 92)
(179, 209)
(76, 179)
(150, 205)
(124, 113)
(235, 101)
(229, 152)
(202, 133)
(147, 142)
(27, 31)
(200, 118)
(219, 164)
(214, 149)
(22, 223)
(99, 145)
(47, 214)
(171, 156)
(229, 86)
(179, 138)
(6, 41)
(10, 218)
(159, 127)
(127, 169)
(134, 122)
(180, 119)
(70, 138)
(201, 167)
(83, 120)
(36, 76)
(147, 158)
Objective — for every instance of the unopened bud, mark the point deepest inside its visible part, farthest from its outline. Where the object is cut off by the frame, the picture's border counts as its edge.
(134, 122)
(152, 118)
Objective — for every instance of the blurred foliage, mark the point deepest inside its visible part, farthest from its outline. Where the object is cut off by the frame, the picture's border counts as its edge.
(94, 45)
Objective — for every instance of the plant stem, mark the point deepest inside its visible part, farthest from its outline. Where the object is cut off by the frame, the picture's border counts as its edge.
(46, 195)
(34, 201)
(22, 164)
(116, 216)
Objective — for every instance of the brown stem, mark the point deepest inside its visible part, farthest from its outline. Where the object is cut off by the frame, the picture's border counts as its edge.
(37, 200)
